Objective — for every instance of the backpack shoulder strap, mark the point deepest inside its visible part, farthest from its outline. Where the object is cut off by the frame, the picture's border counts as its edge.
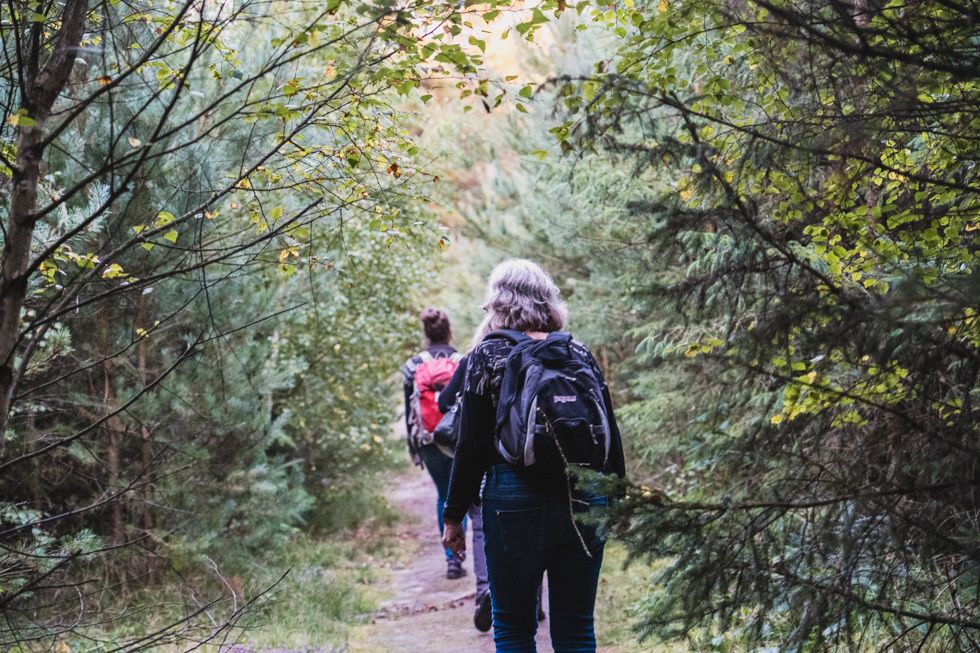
(425, 355)
(456, 357)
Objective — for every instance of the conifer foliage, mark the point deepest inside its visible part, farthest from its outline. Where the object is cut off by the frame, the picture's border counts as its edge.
(766, 224)
(812, 219)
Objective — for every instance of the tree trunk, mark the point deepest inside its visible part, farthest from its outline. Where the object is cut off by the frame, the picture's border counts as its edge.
(113, 431)
(34, 442)
(142, 347)
(149, 479)
(113, 453)
(42, 88)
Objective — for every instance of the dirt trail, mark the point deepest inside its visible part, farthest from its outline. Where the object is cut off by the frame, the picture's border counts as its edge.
(422, 611)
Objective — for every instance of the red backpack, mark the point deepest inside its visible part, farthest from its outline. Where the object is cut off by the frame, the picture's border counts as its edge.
(431, 376)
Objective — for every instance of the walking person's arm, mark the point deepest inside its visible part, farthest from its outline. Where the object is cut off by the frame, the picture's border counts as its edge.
(408, 386)
(617, 461)
(473, 450)
(447, 397)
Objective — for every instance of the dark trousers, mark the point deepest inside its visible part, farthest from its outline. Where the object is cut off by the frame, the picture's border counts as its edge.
(439, 466)
(527, 534)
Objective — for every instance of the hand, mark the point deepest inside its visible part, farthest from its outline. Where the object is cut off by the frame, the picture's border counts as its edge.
(453, 538)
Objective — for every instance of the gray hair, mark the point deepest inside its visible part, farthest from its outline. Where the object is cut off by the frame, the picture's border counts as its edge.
(521, 296)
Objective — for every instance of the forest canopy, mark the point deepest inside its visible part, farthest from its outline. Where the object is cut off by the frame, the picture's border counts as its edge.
(766, 215)
(220, 219)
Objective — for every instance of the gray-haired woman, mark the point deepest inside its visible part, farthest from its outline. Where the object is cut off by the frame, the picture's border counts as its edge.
(527, 524)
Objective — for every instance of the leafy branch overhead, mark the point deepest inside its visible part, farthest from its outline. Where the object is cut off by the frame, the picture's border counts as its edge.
(208, 209)
(813, 202)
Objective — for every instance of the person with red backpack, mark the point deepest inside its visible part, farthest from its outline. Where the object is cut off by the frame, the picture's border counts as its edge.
(425, 376)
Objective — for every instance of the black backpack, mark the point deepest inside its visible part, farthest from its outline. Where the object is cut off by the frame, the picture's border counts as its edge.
(447, 431)
(551, 408)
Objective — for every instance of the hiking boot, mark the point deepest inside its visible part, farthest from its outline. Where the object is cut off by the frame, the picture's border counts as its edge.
(454, 569)
(483, 616)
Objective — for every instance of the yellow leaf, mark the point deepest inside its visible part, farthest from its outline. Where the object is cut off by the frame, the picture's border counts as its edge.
(662, 6)
(171, 236)
(113, 271)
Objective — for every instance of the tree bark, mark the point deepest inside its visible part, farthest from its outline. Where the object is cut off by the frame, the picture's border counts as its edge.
(143, 317)
(149, 476)
(113, 430)
(113, 455)
(41, 91)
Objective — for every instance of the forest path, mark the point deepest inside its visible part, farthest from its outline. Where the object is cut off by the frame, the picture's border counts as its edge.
(422, 611)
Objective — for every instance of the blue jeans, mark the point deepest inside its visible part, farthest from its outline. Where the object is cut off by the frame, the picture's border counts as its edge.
(439, 466)
(527, 534)
(479, 548)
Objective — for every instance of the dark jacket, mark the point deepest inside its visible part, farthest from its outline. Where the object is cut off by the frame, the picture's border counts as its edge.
(476, 451)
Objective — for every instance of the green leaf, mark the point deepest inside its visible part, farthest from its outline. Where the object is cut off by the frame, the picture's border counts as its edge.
(21, 119)
(405, 87)
(589, 91)
(171, 236)
(163, 219)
